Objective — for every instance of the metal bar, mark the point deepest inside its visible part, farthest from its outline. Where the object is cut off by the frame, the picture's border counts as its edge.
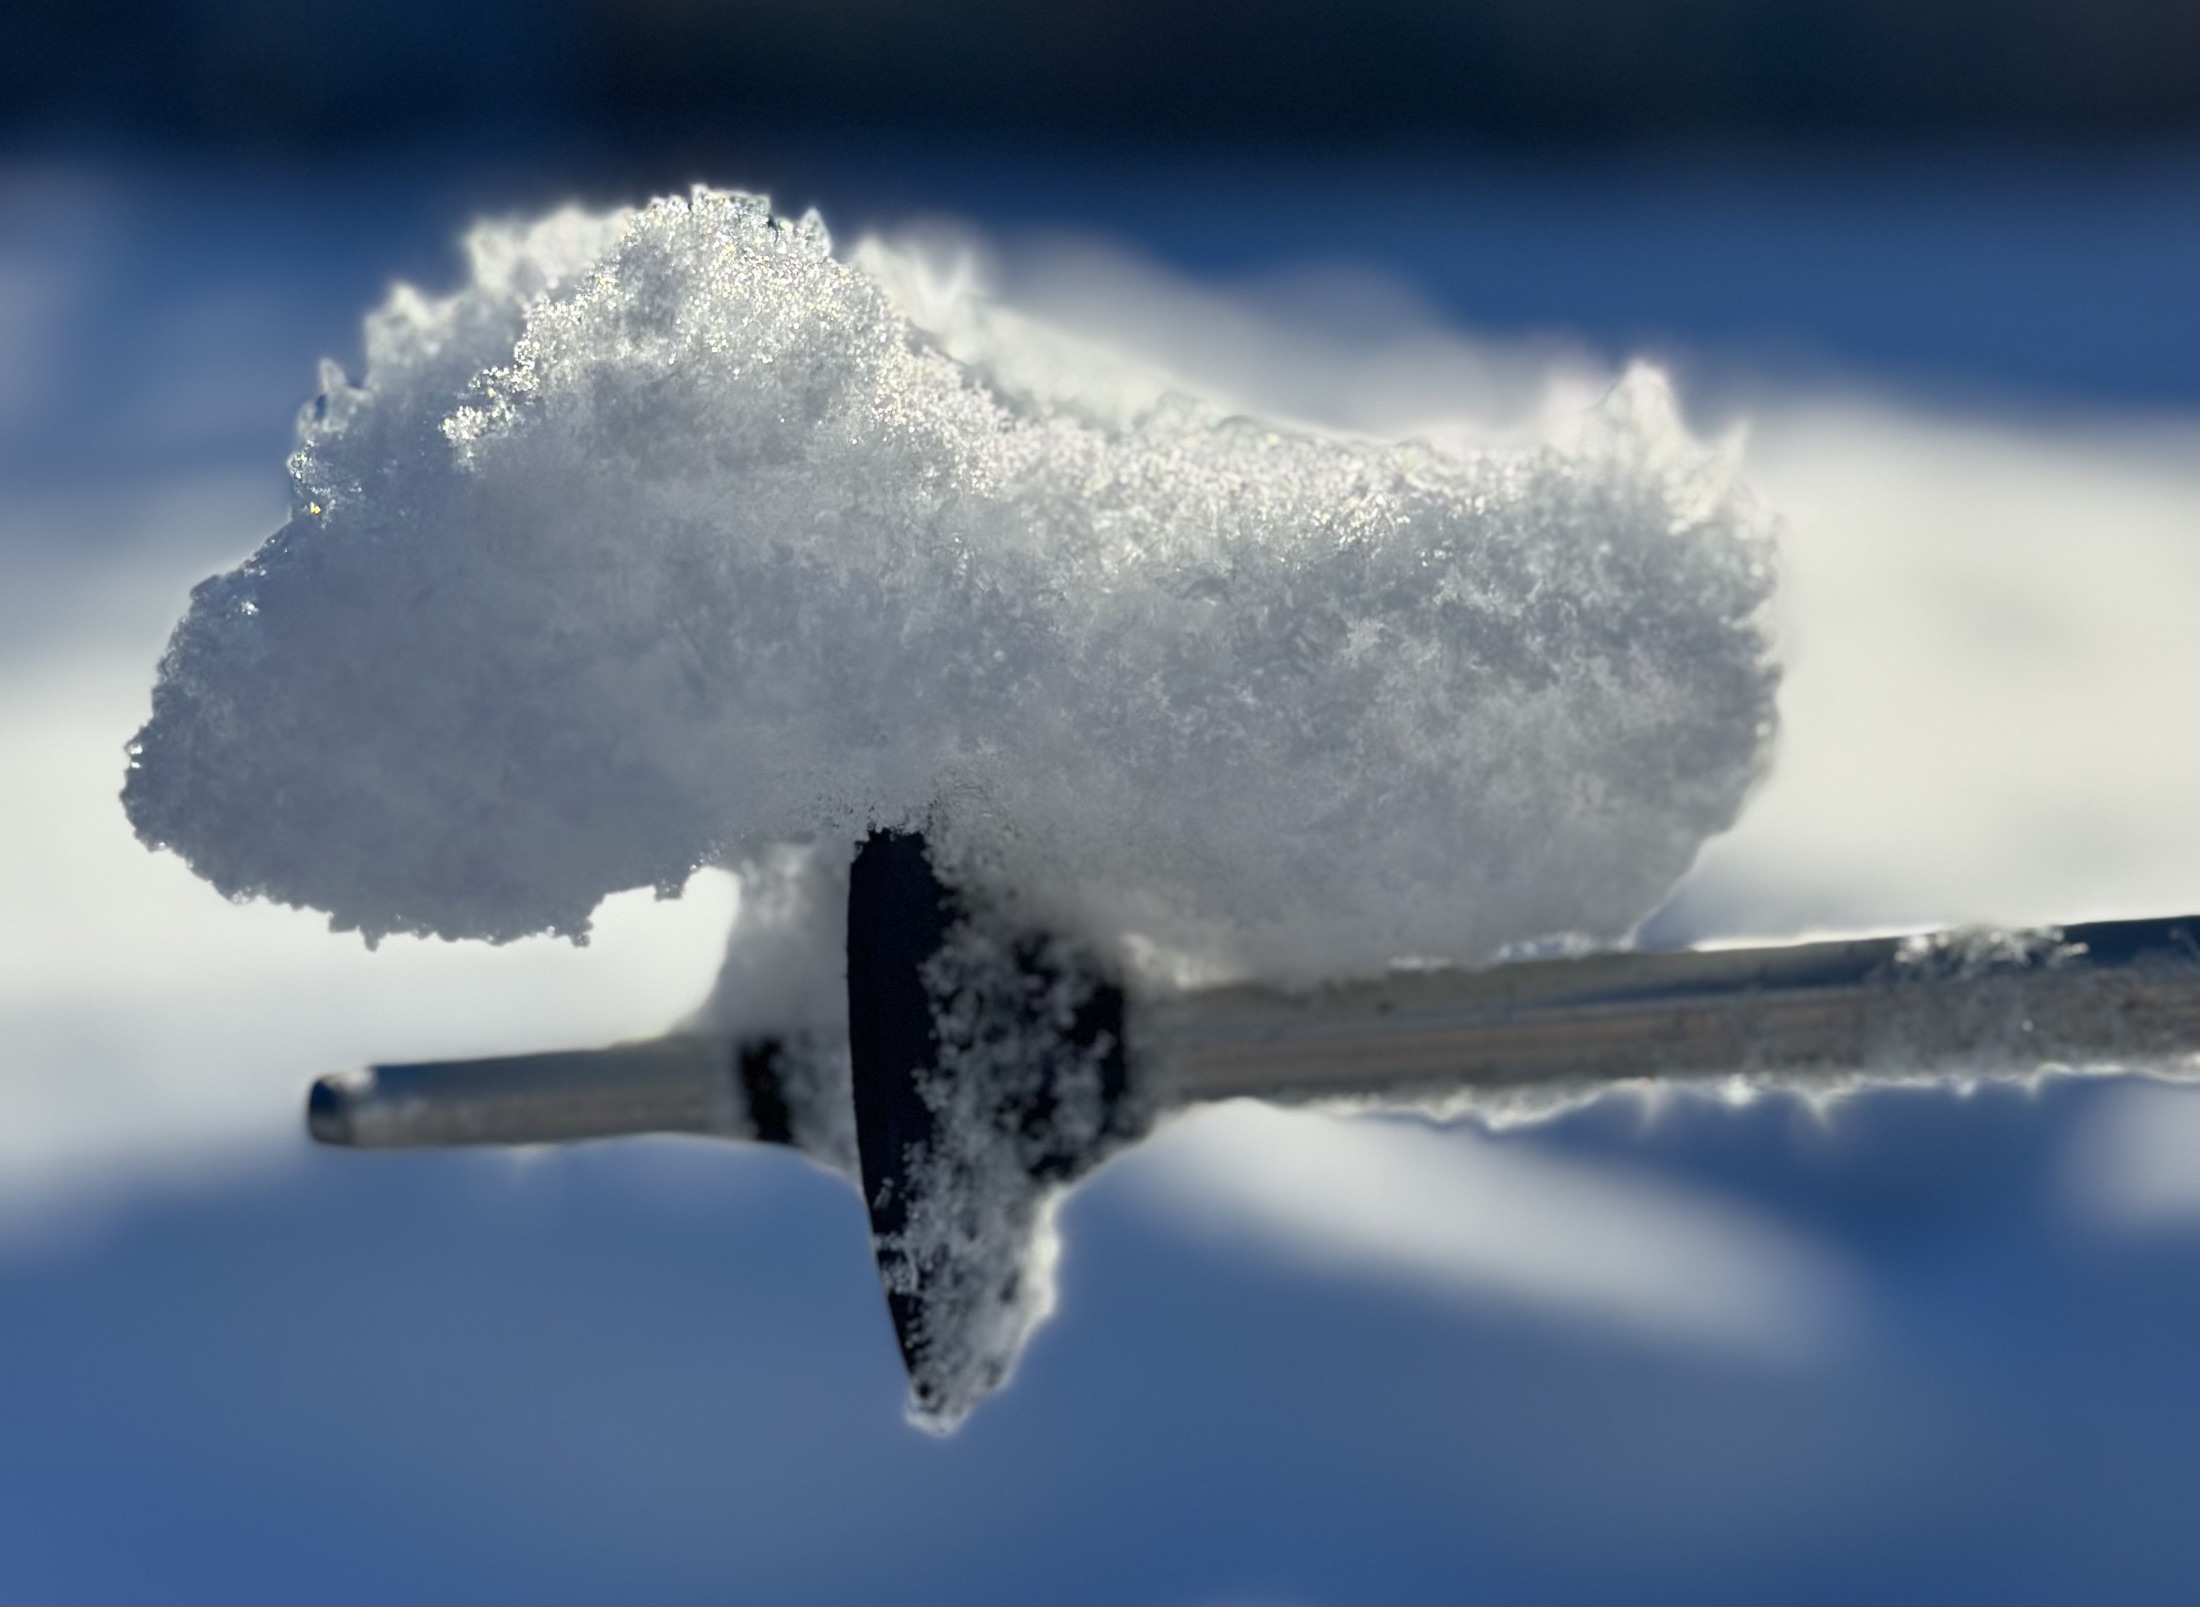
(675, 1084)
(2124, 993)
(2120, 992)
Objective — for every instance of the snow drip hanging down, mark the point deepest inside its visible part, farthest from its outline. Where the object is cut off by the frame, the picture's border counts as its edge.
(671, 536)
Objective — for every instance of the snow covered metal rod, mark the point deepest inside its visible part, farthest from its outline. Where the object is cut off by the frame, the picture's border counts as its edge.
(670, 538)
(1964, 1002)
(2122, 992)
(988, 1068)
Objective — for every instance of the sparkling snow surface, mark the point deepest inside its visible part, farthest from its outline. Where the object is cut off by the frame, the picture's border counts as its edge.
(672, 537)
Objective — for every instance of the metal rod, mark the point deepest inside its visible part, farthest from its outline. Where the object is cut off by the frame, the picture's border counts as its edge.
(2124, 993)
(675, 1084)
(2119, 992)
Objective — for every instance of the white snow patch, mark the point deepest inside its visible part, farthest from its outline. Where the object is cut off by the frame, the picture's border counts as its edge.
(671, 537)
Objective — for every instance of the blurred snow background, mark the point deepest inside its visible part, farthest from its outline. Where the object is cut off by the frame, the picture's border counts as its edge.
(1916, 1345)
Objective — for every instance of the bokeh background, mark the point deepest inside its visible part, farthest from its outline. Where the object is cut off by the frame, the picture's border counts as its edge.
(1932, 266)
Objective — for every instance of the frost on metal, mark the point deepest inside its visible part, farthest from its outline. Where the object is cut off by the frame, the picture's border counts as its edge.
(1025, 1099)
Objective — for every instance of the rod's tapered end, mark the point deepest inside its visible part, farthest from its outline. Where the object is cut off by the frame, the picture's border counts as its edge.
(328, 1111)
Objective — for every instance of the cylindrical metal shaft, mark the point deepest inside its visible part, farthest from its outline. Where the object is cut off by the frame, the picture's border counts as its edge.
(677, 1084)
(2121, 992)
